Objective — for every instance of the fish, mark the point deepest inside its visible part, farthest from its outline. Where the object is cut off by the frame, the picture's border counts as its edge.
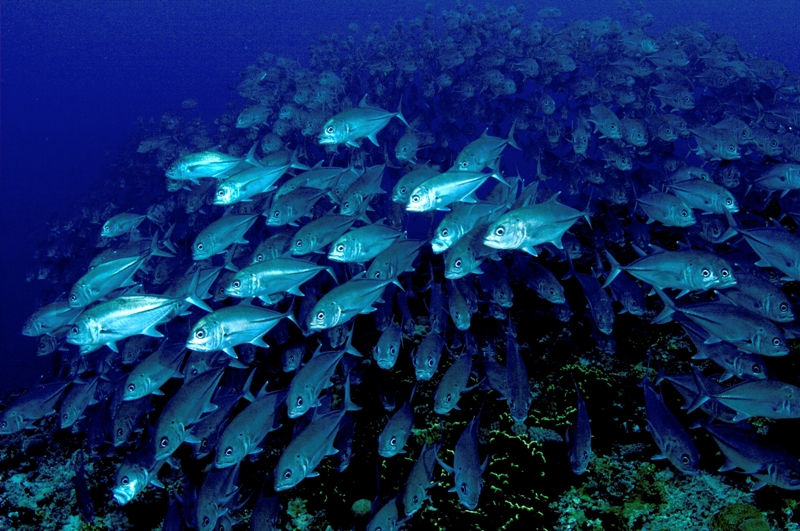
(460, 221)
(290, 208)
(518, 386)
(409, 182)
(579, 436)
(387, 349)
(484, 151)
(452, 385)
(351, 126)
(394, 435)
(148, 376)
(363, 244)
(36, 403)
(310, 446)
(706, 196)
(686, 270)
(427, 355)
(420, 479)
(771, 399)
(219, 235)
(748, 452)
(121, 224)
(747, 331)
(250, 182)
(781, 178)
(184, 409)
(49, 318)
(674, 443)
(312, 379)
(386, 518)
(231, 326)
(101, 281)
(776, 248)
(442, 190)
(526, 227)
(207, 164)
(667, 209)
(467, 467)
(272, 276)
(252, 116)
(76, 400)
(247, 430)
(215, 494)
(346, 301)
(606, 122)
(396, 259)
(319, 233)
(138, 471)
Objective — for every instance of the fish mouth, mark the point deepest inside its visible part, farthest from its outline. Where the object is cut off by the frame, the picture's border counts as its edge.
(122, 496)
(326, 140)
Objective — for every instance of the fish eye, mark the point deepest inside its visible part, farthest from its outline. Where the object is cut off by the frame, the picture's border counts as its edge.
(415, 499)
(120, 432)
(794, 475)
(464, 164)
(299, 401)
(684, 213)
(776, 341)
(448, 398)
(131, 387)
(685, 459)
(756, 368)
(200, 334)
(499, 231)
(75, 329)
(393, 441)
(392, 350)
(457, 263)
(463, 488)
(415, 198)
(729, 201)
(259, 258)
(229, 451)
(329, 129)
(204, 443)
(287, 474)
(706, 273)
(725, 273)
(65, 417)
(430, 362)
(298, 243)
(73, 297)
(276, 214)
(206, 521)
(445, 232)
(220, 193)
(402, 189)
(124, 480)
(784, 307)
(200, 246)
(164, 442)
(774, 143)
(321, 315)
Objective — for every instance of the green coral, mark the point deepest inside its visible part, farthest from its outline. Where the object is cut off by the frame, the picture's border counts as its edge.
(301, 519)
(738, 517)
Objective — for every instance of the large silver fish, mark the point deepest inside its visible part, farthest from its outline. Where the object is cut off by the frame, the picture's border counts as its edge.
(351, 126)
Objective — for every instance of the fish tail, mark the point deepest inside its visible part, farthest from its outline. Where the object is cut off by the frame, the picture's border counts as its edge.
(510, 139)
(616, 269)
(669, 308)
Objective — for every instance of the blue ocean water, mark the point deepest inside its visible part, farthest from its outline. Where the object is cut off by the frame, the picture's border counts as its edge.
(78, 80)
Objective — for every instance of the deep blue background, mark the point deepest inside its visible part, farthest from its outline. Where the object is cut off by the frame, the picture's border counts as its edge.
(75, 76)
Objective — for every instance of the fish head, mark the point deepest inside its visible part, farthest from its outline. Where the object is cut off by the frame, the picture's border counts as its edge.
(446, 235)
(425, 366)
(444, 400)
(579, 455)
(291, 470)
(204, 247)
(681, 216)
(406, 149)
(421, 199)
(468, 487)
(386, 353)
(32, 327)
(11, 422)
(277, 216)
(46, 345)
(468, 161)
(84, 331)
(168, 438)
(206, 336)
(390, 443)
(770, 342)
(685, 458)
(227, 194)
(109, 229)
(785, 473)
(508, 232)
(243, 284)
(303, 243)
(68, 416)
(750, 366)
(326, 314)
(137, 385)
(334, 132)
(458, 265)
(291, 357)
(299, 402)
(342, 250)
(351, 205)
(129, 481)
(80, 295)
(230, 450)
